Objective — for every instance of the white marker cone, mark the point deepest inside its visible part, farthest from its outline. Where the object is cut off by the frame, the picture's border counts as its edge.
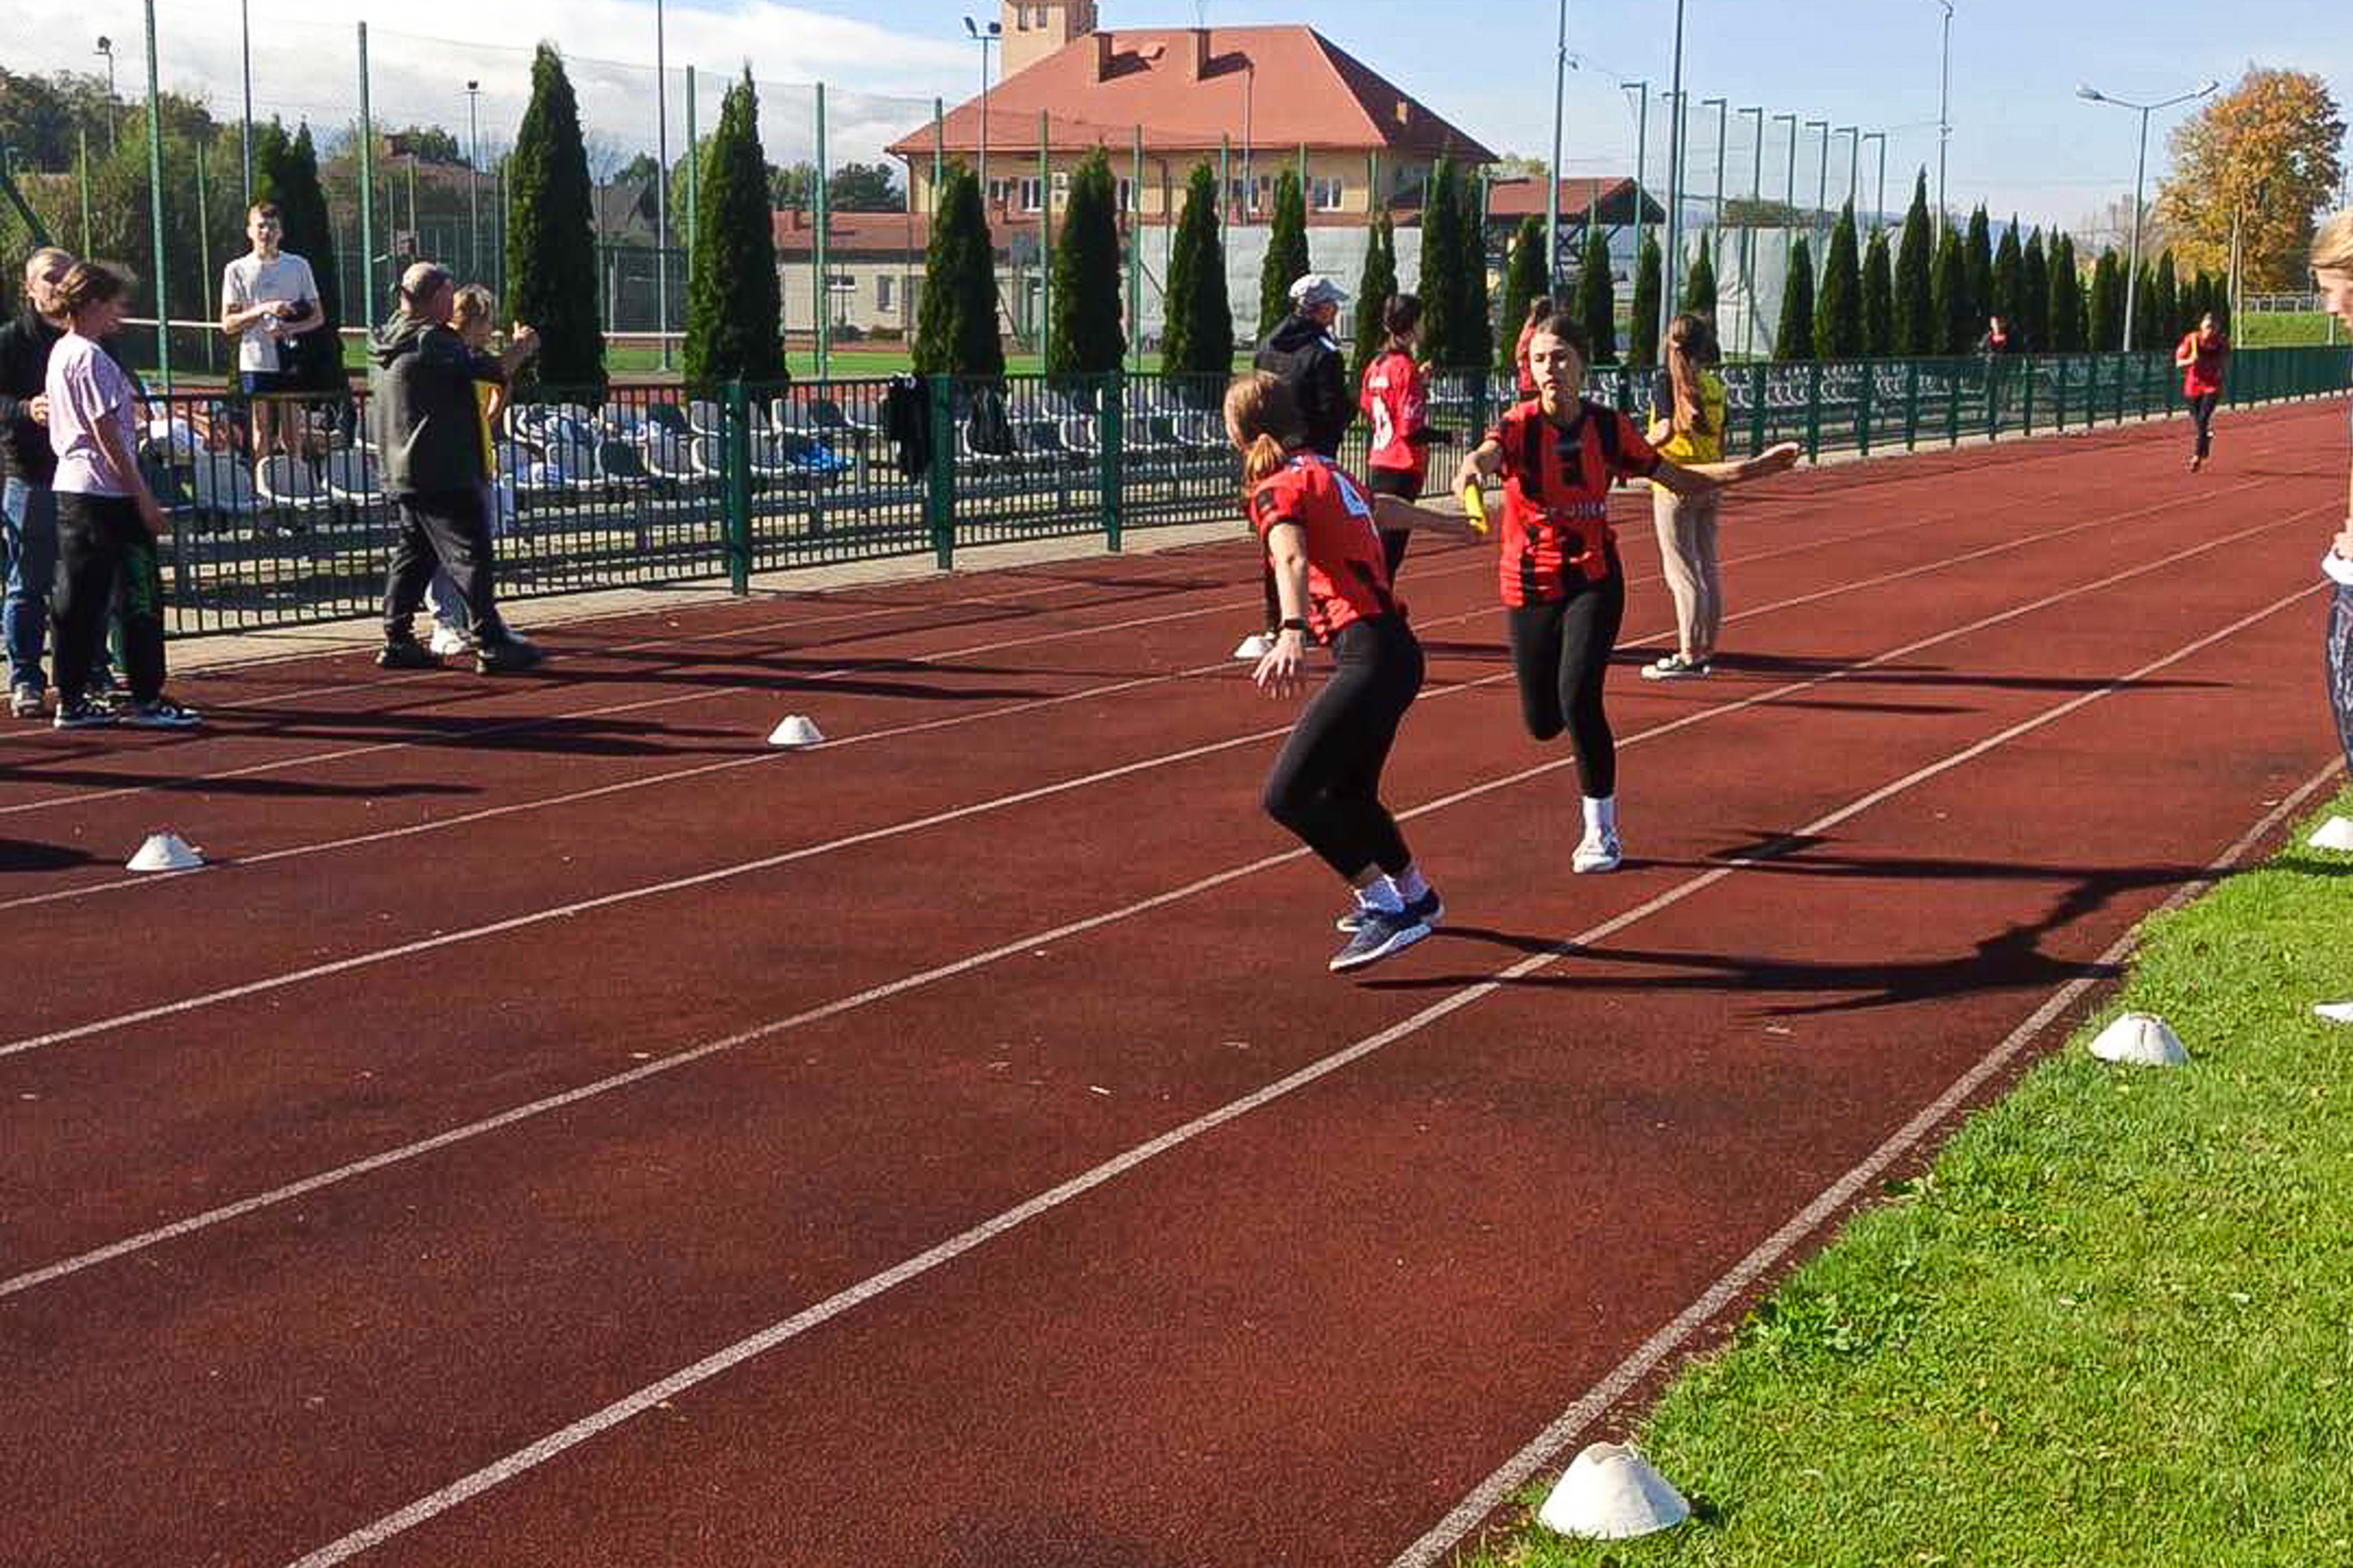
(2337, 833)
(2140, 1039)
(797, 729)
(2335, 1012)
(165, 852)
(1257, 645)
(1612, 1493)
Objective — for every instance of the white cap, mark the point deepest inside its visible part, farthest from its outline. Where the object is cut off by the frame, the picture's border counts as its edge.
(1317, 289)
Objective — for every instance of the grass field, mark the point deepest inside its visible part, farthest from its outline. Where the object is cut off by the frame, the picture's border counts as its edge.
(2288, 329)
(2113, 1323)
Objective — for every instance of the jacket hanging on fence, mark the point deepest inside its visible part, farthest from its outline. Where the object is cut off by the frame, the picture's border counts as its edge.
(907, 423)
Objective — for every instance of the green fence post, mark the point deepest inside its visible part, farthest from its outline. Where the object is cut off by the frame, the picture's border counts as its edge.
(1952, 403)
(2122, 365)
(1911, 405)
(939, 499)
(1863, 410)
(1109, 425)
(1813, 411)
(1757, 408)
(2026, 399)
(2141, 402)
(737, 444)
(2059, 395)
(1993, 396)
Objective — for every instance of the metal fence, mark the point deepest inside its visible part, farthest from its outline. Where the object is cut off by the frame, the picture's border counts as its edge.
(671, 483)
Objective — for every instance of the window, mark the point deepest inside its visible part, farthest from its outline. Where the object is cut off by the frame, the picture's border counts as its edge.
(1061, 188)
(1326, 194)
(1126, 194)
(883, 282)
(1030, 192)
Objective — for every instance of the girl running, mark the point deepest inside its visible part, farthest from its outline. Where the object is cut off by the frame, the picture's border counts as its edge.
(2203, 356)
(1321, 532)
(1563, 587)
(1396, 400)
(1689, 428)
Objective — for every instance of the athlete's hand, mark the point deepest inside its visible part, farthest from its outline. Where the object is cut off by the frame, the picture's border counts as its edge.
(1780, 458)
(1468, 472)
(1278, 670)
(2343, 543)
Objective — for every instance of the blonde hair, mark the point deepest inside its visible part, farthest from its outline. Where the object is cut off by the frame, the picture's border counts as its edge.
(2332, 247)
(1263, 410)
(472, 304)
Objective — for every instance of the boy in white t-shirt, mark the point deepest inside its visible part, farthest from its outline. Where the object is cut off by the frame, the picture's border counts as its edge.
(267, 298)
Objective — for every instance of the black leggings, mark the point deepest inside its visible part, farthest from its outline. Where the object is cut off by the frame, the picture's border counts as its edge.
(1561, 651)
(2202, 410)
(1325, 786)
(1401, 483)
(106, 562)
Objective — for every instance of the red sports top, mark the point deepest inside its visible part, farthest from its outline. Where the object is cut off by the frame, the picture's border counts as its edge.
(1520, 355)
(1347, 576)
(1397, 401)
(1556, 496)
(2203, 373)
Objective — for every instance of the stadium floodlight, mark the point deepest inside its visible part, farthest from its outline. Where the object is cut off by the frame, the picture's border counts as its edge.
(984, 35)
(2091, 94)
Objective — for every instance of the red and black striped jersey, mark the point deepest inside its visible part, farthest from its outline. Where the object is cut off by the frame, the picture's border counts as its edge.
(1397, 401)
(1347, 576)
(1557, 495)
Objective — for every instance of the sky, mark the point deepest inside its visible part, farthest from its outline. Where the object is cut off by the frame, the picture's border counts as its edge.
(2021, 141)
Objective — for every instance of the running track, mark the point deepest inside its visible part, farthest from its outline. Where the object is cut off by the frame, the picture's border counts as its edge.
(559, 1130)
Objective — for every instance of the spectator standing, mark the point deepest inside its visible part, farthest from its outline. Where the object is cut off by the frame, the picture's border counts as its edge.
(2203, 358)
(29, 463)
(268, 300)
(1999, 339)
(1687, 428)
(428, 424)
(108, 521)
(471, 320)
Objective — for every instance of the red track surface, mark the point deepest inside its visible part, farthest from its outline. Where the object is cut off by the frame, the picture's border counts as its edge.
(885, 1000)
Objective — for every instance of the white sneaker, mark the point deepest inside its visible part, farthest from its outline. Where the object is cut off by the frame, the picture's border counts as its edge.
(1598, 850)
(448, 640)
(1257, 645)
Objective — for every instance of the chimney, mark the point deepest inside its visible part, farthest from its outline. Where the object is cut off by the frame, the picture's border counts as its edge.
(1200, 54)
(1102, 57)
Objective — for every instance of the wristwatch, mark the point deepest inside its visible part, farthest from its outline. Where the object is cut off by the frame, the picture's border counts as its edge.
(1292, 625)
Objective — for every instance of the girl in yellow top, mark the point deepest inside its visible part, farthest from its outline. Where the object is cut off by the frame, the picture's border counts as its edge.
(1687, 428)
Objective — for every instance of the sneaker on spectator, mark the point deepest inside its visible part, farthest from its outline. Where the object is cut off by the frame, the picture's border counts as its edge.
(25, 702)
(79, 713)
(448, 641)
(1379, 933)
(1425, 908)
(507, 654)
(404, 653)
(160, 713)
(1675, 667)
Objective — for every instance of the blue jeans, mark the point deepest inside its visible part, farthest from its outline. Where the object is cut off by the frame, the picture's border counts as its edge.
(31, 555)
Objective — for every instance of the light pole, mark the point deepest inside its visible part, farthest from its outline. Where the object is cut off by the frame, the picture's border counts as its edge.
(1748, 236)
(1642, 155)
(1821, 185)
(474, 175)
(1723, 115)
(1552, 190)
(1853, 134)
(2090, 94)
(245, 126)
(984, 36)
(1944, 116)
(661, 190)
(1879, 207)
(106, 48)
(1674, 185)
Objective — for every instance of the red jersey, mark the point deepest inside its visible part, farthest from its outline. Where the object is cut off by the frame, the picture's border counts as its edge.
(1348, 574)
(1396, 400)
(2203, 373)
(1557, 495)
(1520, 356)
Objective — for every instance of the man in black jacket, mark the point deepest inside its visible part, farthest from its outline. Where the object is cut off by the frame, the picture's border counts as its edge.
(1303, 355)
(427, 425)
(28, 549)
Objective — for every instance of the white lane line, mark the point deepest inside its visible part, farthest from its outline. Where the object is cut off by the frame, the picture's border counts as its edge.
(631, 1406)
(1548, 1445)
(764, 756)
(927, 977)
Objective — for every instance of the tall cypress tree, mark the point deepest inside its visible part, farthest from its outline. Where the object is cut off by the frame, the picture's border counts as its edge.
(1795, 338)
(1440, 289)
(2107, 305)
(1524, 280)
(2034, 295)
(955, 327)
(2165, 304)
(1642, 332)
(551, 234)
(1286, 252)
(1475, 308)
(1374, 293)
(1917, 332)
(1979, 251)
(1950, 294)
(1838, 321)
(1878, 298)
(2066, 299)
(2010, 281)
(1087, 339)
(287, 171)
(1198, 337)
(735, 304)
(1699, 289)
(1596, 298)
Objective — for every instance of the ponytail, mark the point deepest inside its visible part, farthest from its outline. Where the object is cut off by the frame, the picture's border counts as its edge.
(1690, 343)
(1263, 457)
(1262, 416)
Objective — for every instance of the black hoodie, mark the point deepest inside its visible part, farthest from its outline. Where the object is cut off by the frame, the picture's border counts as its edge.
(1301, 354)
(24, 345)
(421, 407)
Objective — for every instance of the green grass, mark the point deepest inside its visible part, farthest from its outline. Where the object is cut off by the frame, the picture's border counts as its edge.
(2286, 328)
(2113, 1325)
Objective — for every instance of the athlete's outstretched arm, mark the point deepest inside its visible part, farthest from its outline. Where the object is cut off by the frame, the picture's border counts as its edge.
(1395, 511)
(1482, 462)
(1698, 479)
